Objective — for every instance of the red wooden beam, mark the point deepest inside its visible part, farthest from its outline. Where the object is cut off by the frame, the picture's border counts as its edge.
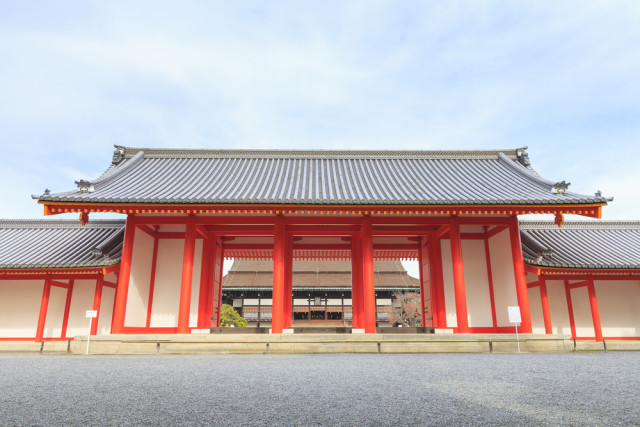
(595, 313)
(152, 277)
(590, 210)
(241, 230)
(150, 231)
(97, 297)
(497, 229)
(572, 322)
(577, 285)
(44, 304)
(472, 236)
(67, 307)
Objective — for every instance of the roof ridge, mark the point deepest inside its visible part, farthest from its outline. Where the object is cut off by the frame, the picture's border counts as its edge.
(580, 225)
(60, 223)
(129, 152)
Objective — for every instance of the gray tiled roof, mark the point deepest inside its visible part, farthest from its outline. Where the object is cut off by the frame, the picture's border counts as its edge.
(582, 244)
(316, 275)
(59, 244)
(141, 175)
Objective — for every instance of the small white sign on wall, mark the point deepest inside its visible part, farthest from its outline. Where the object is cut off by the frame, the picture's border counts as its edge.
(514, 314)
(92, 314)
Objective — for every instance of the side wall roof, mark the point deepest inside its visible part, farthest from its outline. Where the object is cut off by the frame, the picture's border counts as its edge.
(59, 244)
(582, 244)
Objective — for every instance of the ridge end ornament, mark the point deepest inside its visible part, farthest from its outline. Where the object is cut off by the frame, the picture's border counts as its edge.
(560, 187)
(84, 186)
(118, 155)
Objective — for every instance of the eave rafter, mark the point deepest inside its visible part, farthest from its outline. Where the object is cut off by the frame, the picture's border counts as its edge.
(554, 273)
(558, 210)
(43, 273)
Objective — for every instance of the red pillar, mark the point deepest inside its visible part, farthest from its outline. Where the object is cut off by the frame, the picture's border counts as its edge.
(152, 279)
(206, 281)
(288, 282)
(546, 314)
(187, 276)
(120, 305)
(595, 314)
(279, 249)
(44, 304)
(368, 287)
(356, 282)
(97, 297)
(572, 322)
(422, 277)
(458, 276)
(214, 297)
(521, 278)
(440, 310)
(67, 307)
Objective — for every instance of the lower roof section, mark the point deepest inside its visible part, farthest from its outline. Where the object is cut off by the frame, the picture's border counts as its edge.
(34, 245)
(600, 245)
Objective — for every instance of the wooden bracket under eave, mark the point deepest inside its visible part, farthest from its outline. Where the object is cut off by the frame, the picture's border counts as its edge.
(84, 218)
(559, 220)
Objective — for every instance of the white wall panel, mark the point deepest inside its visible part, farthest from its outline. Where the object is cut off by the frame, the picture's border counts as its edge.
(619, 307)
(81, 301)
(19, 307)
(504, 282)
(138, 295)
(166, 294)
(476, 283)
(535, 305)
(558, 310)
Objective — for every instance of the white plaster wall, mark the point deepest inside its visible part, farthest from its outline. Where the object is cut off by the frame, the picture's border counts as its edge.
(81, 301)
(19, 307)
(619, 307)
(166, 294)
(535, 305)
(558, 309)
(504, 282)
(139, 279)
(55, 312)
(106, 310)
(476, 283)
(447, 279)
(582, 312)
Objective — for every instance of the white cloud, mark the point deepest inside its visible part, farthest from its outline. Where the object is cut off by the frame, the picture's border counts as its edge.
(79, 77)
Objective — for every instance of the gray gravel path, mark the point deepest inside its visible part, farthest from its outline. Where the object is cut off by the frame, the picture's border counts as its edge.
(441, 389)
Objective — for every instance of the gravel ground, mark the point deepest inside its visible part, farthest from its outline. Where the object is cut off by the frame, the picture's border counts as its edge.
(441, 389)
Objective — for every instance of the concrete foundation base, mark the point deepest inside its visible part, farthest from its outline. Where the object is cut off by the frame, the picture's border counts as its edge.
(315, 343)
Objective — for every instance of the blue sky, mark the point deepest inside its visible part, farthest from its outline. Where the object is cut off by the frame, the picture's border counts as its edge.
(562, 78)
